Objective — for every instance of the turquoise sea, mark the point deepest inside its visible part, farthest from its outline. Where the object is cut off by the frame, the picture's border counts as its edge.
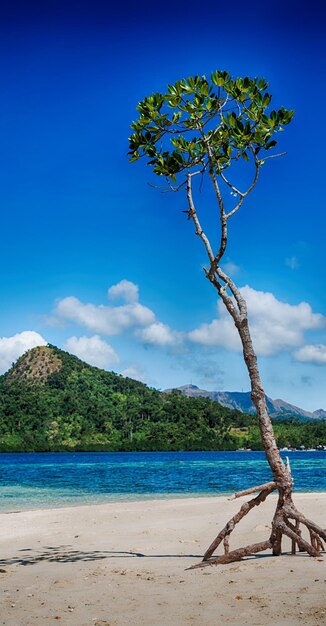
(40, 480)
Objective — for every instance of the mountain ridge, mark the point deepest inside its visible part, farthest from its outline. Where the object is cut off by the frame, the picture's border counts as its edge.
(50, 400)
(40, 363)
(241, 400)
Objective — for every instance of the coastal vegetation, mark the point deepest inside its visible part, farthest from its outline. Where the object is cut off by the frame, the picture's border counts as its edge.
(51, 401)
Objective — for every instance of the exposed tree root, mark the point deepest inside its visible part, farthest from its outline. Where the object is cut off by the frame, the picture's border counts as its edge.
(227, 530)
(235, 555)
(281, 525)
(272, 485)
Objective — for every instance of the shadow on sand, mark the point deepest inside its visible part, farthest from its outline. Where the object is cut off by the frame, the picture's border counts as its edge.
(65, 554)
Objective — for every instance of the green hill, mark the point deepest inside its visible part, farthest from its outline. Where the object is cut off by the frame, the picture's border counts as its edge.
(50, 400)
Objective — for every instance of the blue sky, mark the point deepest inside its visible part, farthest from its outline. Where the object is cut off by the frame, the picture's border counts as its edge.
(78, 219)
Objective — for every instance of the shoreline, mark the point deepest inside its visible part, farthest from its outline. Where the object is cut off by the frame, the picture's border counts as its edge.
(152, 498)
(118, 562)
(31, 482)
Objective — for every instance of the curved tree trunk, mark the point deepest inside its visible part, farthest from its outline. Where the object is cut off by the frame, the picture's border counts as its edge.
(287, 518)
(222, 136)
(277, 466)
(283, 482)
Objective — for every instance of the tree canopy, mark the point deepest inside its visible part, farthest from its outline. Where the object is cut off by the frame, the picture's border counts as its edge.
(207, 124)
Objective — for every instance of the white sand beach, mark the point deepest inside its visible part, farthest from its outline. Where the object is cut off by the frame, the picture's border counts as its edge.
(125, 563)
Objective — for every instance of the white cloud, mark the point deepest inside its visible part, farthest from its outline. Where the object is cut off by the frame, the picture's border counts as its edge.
(125, 290)
(134, 372)
(275, 325)
(292, 262)
(278, 325)
(13, 347)
(93, 350)
(158, 334)
(312, 354)
(107, 320)
(231, 268)
(115, 320)
(220, 332)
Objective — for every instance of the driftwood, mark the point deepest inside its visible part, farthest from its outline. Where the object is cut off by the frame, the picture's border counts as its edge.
(281, 525)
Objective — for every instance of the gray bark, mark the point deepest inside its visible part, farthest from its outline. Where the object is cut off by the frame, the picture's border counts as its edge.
(285, 509)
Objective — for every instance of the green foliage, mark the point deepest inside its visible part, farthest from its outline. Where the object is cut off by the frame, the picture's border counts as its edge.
(206, 123)
(81, 407)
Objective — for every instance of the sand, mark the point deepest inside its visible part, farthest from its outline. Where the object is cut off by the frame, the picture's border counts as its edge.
(123, 564)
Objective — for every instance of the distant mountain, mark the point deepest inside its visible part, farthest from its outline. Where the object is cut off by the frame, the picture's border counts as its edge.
(320, 413)
(278, 409)
(51, 400)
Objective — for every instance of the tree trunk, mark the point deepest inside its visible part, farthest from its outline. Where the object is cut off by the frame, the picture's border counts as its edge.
(280, 473)
(283, 482)
(287, 518)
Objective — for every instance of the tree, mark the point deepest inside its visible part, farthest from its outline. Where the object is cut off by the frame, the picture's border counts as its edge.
(212, 129)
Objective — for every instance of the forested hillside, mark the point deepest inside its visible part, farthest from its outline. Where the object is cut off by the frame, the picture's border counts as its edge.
(50, 400)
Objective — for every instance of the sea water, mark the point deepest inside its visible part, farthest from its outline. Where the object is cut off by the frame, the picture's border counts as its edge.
(40, 480)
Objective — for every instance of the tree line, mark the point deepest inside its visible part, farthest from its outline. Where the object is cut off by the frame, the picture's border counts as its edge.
(81, 407)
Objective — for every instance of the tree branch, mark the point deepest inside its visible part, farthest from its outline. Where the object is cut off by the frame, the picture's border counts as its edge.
(228, 528)
(192, 214)
(235, 555)
(241, 303)
(227, 300)
(246, 193)
(247, 492)
(272, 156)
(227, 182)
(171, 187)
